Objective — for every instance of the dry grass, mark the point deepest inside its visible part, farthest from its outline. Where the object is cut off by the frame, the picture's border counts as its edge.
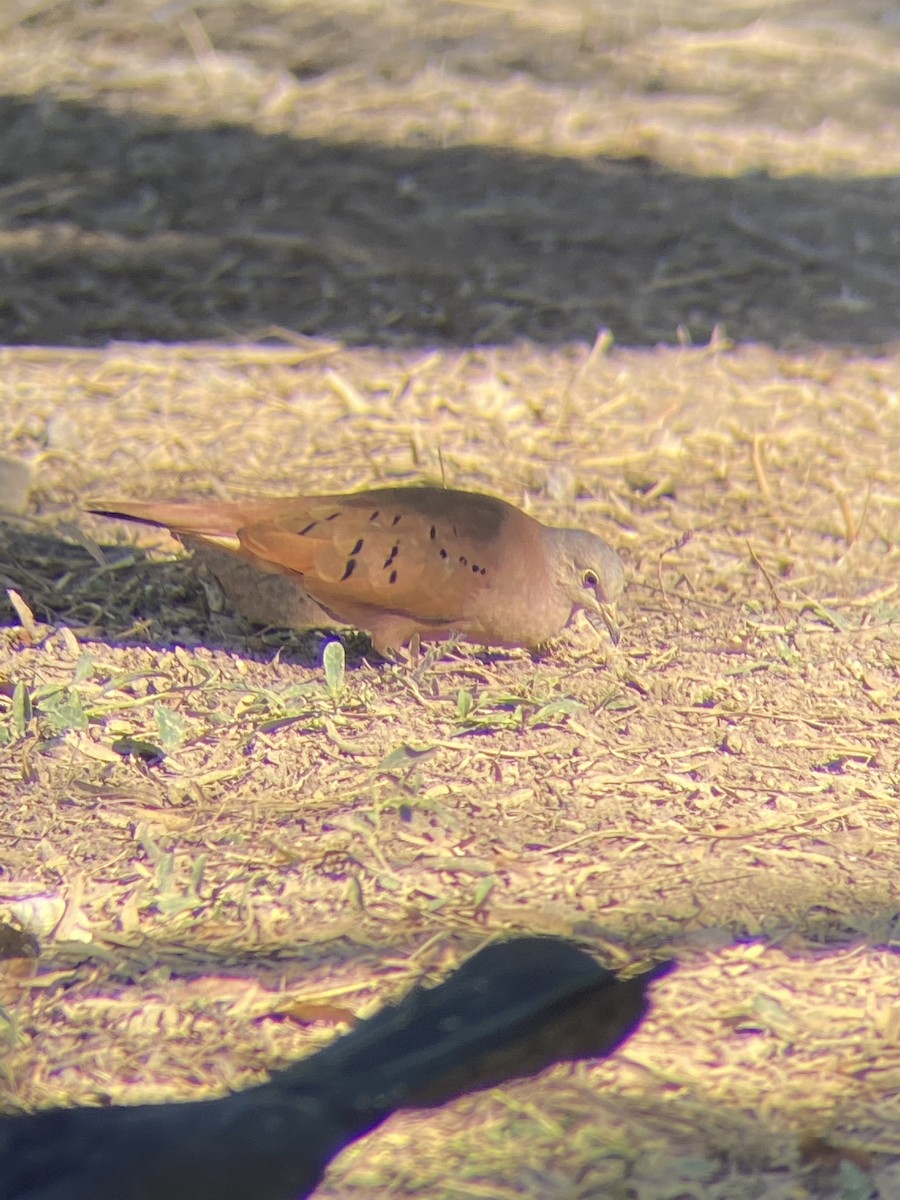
(451, 173)
(722, 788)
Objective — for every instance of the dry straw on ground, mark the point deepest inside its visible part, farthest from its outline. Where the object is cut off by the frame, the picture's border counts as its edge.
(723, 787)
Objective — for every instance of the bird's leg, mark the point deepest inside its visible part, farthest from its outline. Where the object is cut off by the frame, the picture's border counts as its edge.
(390, 632)
(413, 651)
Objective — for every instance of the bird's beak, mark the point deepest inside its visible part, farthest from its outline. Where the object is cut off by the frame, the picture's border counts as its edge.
(607, 614)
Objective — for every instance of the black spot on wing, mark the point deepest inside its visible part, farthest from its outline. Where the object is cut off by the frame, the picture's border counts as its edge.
(374, 516)
(444, 554)
(334, 516)
(307, 528)
(393, 577)
(356, 549)
(396, 520)
(433, 533)
(393, 554)
(349, 569)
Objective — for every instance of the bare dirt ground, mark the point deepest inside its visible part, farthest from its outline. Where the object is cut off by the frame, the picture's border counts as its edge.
(351, 202)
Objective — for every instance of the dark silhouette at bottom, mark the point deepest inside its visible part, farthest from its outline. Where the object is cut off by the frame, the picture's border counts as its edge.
(511, 1010)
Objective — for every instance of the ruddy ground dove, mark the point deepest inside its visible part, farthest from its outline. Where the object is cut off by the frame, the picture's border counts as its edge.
(410, 560)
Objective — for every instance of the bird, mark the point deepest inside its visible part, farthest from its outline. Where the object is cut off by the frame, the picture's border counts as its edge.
(512, 1009)
(403, 561)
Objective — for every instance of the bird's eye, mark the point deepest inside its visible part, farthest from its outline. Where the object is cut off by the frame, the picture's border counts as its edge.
(589, 580)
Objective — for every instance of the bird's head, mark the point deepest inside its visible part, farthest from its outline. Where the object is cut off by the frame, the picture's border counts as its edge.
(591, 575)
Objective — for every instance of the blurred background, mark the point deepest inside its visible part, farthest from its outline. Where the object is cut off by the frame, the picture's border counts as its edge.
(450, 171)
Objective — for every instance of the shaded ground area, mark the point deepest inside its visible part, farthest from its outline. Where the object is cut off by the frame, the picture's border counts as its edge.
(454, 174)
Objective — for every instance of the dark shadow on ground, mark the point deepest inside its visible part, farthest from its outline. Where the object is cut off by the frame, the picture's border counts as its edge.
(121, 227)
(132, 598)
(298, 960)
